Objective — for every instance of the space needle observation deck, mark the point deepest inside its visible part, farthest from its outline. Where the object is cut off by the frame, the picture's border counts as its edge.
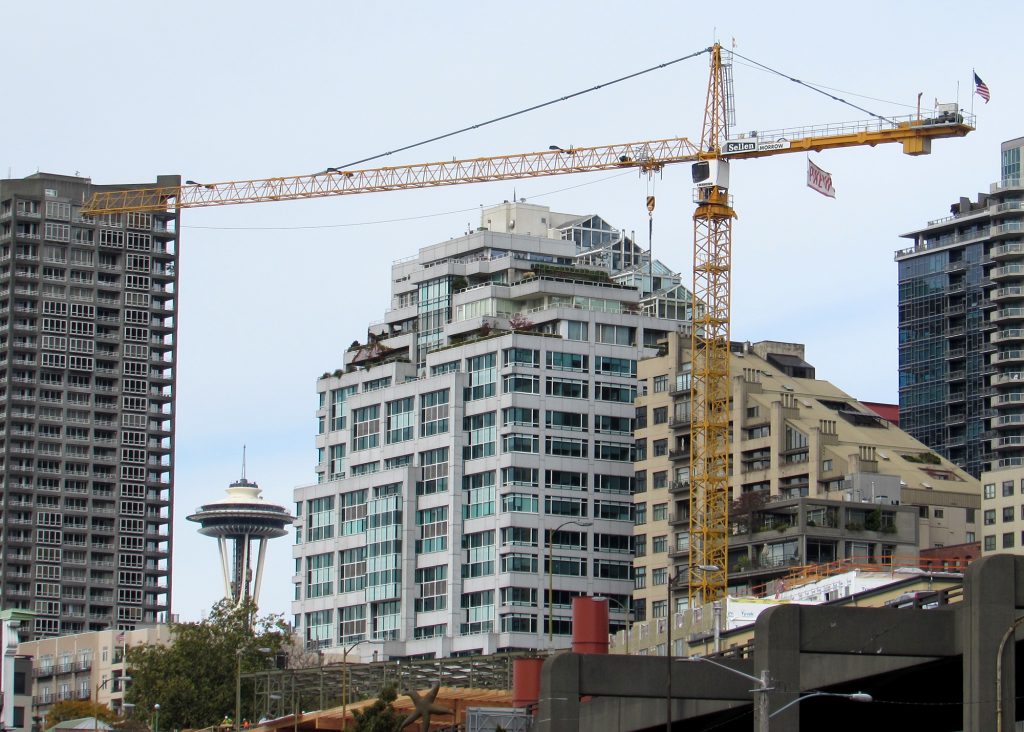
(238, 521)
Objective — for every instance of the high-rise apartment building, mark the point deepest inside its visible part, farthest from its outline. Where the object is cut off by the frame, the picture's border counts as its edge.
(87, 353)
(961, 327)
(817, 478)
(476, 453)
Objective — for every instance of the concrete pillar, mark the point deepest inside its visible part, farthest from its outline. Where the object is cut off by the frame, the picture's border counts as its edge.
(991, 589)
(559, 694)
(777, 650)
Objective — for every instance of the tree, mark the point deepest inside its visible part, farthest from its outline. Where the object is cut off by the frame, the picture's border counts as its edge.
(62, 711)
(193, 678)
(379, 716)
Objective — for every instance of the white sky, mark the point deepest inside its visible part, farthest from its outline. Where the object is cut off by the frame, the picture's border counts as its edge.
(124, 91)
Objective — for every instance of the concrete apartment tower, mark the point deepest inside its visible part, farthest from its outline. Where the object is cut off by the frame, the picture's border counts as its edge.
(817, 479)
(242, 523)
(476, 452)
(961, 321)
(87, 355)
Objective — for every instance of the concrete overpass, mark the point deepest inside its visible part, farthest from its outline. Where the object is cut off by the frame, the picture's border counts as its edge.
(925, 669)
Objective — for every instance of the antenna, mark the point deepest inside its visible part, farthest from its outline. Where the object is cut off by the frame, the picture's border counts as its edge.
(243, 462)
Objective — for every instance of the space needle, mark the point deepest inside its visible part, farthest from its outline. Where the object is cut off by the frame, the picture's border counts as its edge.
(236, 522)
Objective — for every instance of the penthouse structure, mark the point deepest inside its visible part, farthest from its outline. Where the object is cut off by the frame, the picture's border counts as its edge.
(476, 452)
(87, 354)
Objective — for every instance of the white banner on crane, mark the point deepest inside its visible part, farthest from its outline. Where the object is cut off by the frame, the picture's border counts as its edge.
(820, 180)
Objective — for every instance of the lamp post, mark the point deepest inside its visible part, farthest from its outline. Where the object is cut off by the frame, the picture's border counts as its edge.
(344, 678)
(96, 697)
(238, 685)
(763, 687)
(999, 670)
(857, 696)
(551, 573)
(627, 610)
(156, 718)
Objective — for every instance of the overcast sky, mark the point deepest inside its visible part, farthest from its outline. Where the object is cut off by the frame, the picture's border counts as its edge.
(271, 294)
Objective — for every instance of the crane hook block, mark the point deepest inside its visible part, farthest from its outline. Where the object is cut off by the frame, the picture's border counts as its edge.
(650, 204)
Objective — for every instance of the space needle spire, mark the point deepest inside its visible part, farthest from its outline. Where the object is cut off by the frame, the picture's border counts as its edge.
(239, 521)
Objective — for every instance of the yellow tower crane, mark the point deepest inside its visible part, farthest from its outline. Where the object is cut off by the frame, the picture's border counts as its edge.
(712, 250)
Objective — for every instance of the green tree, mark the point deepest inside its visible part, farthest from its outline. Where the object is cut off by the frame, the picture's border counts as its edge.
(379, 716)
(62, 711)
(193, 678)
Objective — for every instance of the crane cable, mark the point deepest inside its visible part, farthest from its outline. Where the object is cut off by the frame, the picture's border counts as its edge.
(814, 88)
(535, 107)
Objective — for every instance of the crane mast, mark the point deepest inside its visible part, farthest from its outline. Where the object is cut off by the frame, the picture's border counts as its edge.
(709, 351)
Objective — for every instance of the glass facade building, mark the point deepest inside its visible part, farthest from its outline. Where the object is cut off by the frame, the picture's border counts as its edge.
(961, 327)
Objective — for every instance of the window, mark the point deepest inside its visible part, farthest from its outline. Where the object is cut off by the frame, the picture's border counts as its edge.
(566, 361)
(479, 554)
(639, 578)
(614, 451)
(479, 495)
(608, 425)
(565, 447)
(607, 392)
(521, 357)
(569, 388)
(519, 476)
(520, 443)
(1007, 513)
(659, 512)
(434, 413)
(366, 427)
(434, 476)
(660, 383)
(320, 518)
(616, 366)
(319, 575)
(481, 434)
(612, 569)
(517, 562)
(433, 530)
(519, 417)
(640, 514)
(1008, 540)
(659, 576)
(432, 584)
(573, 421)
(482, 377)
(565, 506)
(990, 490)
(989, 517)
(613, 510)
(519, 503)
(521, 384)
(565, 480)
(576, 331)
(352, 570)
(400, 420)
(1007, 488)
(659, 544)
(660, 448)
(619, 335)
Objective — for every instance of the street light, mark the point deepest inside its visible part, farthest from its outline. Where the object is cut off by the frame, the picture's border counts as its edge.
(999, 670)
(551, 573)
(156, 718)
(628, 611)
(763, 687)
(238, 685)
(857, 696)
(96, 697)
(344, 677)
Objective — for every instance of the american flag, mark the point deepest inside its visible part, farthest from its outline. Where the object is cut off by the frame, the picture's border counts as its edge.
(981, 88)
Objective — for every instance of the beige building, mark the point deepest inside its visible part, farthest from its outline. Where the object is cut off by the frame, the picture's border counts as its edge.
(817, 478)
(86, 665)
(1002, 511)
